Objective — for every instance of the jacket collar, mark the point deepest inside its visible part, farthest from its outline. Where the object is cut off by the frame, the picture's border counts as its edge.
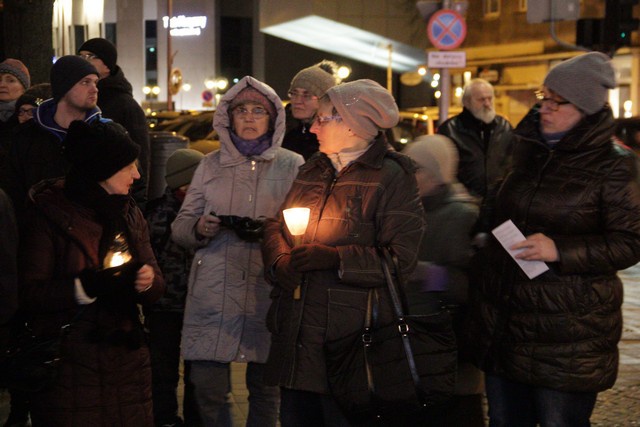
(46, 112)
(592, 132)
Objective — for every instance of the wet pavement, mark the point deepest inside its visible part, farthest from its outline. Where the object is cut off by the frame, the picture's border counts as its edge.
(618, 407)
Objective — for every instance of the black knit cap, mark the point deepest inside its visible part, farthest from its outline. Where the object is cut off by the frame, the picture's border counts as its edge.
(98, 150)
(103, 49)
(66, 72)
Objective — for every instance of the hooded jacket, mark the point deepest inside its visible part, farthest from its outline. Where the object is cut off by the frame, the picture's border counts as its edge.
(372, 202)
(228, 297)
(36, 153)
(560, 330)
(115, 99)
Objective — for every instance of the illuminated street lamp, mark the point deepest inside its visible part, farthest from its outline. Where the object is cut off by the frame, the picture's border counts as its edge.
(344, 71)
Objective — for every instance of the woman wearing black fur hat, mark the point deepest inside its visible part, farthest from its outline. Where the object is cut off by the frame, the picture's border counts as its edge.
(86, 249)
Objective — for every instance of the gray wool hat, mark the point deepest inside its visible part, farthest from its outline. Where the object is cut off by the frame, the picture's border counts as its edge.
(181, 166)
(365, 106)
(315, 79)
(583, 80)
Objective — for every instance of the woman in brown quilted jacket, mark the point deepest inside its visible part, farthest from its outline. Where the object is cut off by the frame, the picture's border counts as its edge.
(86, 250)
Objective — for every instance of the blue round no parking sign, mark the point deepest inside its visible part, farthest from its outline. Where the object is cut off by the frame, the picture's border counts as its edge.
(446, 29)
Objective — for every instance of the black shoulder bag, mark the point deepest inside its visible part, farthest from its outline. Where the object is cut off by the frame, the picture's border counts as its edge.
(394, 371)
(32, 363)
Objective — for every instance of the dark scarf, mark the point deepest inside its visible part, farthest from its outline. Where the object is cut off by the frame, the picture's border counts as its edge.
(110, 210)
(251, 147)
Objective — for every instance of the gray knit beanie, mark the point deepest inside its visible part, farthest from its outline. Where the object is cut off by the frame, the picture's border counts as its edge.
(583, 80)
(181, 166)
(315, 79)
(365, 106)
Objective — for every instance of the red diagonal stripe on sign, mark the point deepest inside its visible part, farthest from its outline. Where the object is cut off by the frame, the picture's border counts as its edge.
(447, 30)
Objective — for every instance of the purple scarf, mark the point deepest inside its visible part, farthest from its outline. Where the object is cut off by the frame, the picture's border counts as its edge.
(251, 147)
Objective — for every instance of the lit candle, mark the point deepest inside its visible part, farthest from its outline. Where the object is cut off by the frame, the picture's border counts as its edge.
(118, 254)
(297, 220)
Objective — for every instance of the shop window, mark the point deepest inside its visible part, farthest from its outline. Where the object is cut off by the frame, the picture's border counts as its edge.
(79, 34)
(522, 5)
(491, 8)
(110, 32)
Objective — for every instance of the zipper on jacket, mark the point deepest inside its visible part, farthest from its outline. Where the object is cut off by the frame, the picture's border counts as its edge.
(294, 356)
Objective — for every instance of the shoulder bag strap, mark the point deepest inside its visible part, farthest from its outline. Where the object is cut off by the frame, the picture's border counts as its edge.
(403, 327)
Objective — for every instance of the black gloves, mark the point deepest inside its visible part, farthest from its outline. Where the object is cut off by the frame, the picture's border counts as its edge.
(314, 256)
(98, 283)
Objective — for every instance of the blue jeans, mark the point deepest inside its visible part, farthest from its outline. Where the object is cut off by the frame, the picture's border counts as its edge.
(516, 404)
(210, 384)
(307, 409)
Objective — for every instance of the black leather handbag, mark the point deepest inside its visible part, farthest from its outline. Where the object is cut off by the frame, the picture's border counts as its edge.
(386, 373)
(31, 363)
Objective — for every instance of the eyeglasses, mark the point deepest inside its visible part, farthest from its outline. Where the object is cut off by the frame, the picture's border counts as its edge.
(256, 113)
(323, 120)
(25, 112)
(552, 104)
(87, 56)
(303, 96)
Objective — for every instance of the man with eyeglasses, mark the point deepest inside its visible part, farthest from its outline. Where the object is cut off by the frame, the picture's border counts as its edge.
(117, 103)
(306, 88)
(548, 344)
(484, 140)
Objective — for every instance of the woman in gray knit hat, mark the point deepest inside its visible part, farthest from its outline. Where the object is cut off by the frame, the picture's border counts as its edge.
(361, 195)
(548, 342)
(306, 88)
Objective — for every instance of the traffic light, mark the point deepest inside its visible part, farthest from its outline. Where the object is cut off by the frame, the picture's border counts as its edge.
(619, 22)
(611, 32)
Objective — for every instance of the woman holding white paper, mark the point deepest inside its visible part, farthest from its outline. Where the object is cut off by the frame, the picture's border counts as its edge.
(548, 344)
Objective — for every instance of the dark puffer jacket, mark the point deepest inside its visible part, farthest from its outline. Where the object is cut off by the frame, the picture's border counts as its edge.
(105, 374)
(373, 201)
(115, 99)
(481, 163)
(560, 330)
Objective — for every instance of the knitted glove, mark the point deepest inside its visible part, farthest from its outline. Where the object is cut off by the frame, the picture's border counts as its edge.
(314, 256)
(286, 277)
(99, 283)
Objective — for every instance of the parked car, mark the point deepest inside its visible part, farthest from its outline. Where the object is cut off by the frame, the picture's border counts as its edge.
(197, 127)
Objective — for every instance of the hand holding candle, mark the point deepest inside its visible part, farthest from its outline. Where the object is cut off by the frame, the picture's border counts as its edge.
(296, 220)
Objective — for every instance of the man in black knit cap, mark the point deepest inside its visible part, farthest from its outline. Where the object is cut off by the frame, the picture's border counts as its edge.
(117, 103)
(36, 149)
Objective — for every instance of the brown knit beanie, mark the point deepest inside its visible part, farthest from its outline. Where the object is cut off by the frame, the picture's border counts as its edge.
(17, 69)
(316, 79)
(365, 106)
(251, 94)
(584, 81)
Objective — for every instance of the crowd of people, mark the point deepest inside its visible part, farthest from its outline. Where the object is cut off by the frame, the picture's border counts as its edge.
(211, 273)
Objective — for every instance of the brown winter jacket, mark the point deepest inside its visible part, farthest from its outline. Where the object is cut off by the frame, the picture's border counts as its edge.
(373, 201)
(560, 330)
(105, 375)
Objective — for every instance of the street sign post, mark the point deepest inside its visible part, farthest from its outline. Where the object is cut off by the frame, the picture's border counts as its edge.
(457, 59)
(446, 29)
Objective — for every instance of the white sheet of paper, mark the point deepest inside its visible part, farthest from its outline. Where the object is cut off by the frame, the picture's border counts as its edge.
(508, 235)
